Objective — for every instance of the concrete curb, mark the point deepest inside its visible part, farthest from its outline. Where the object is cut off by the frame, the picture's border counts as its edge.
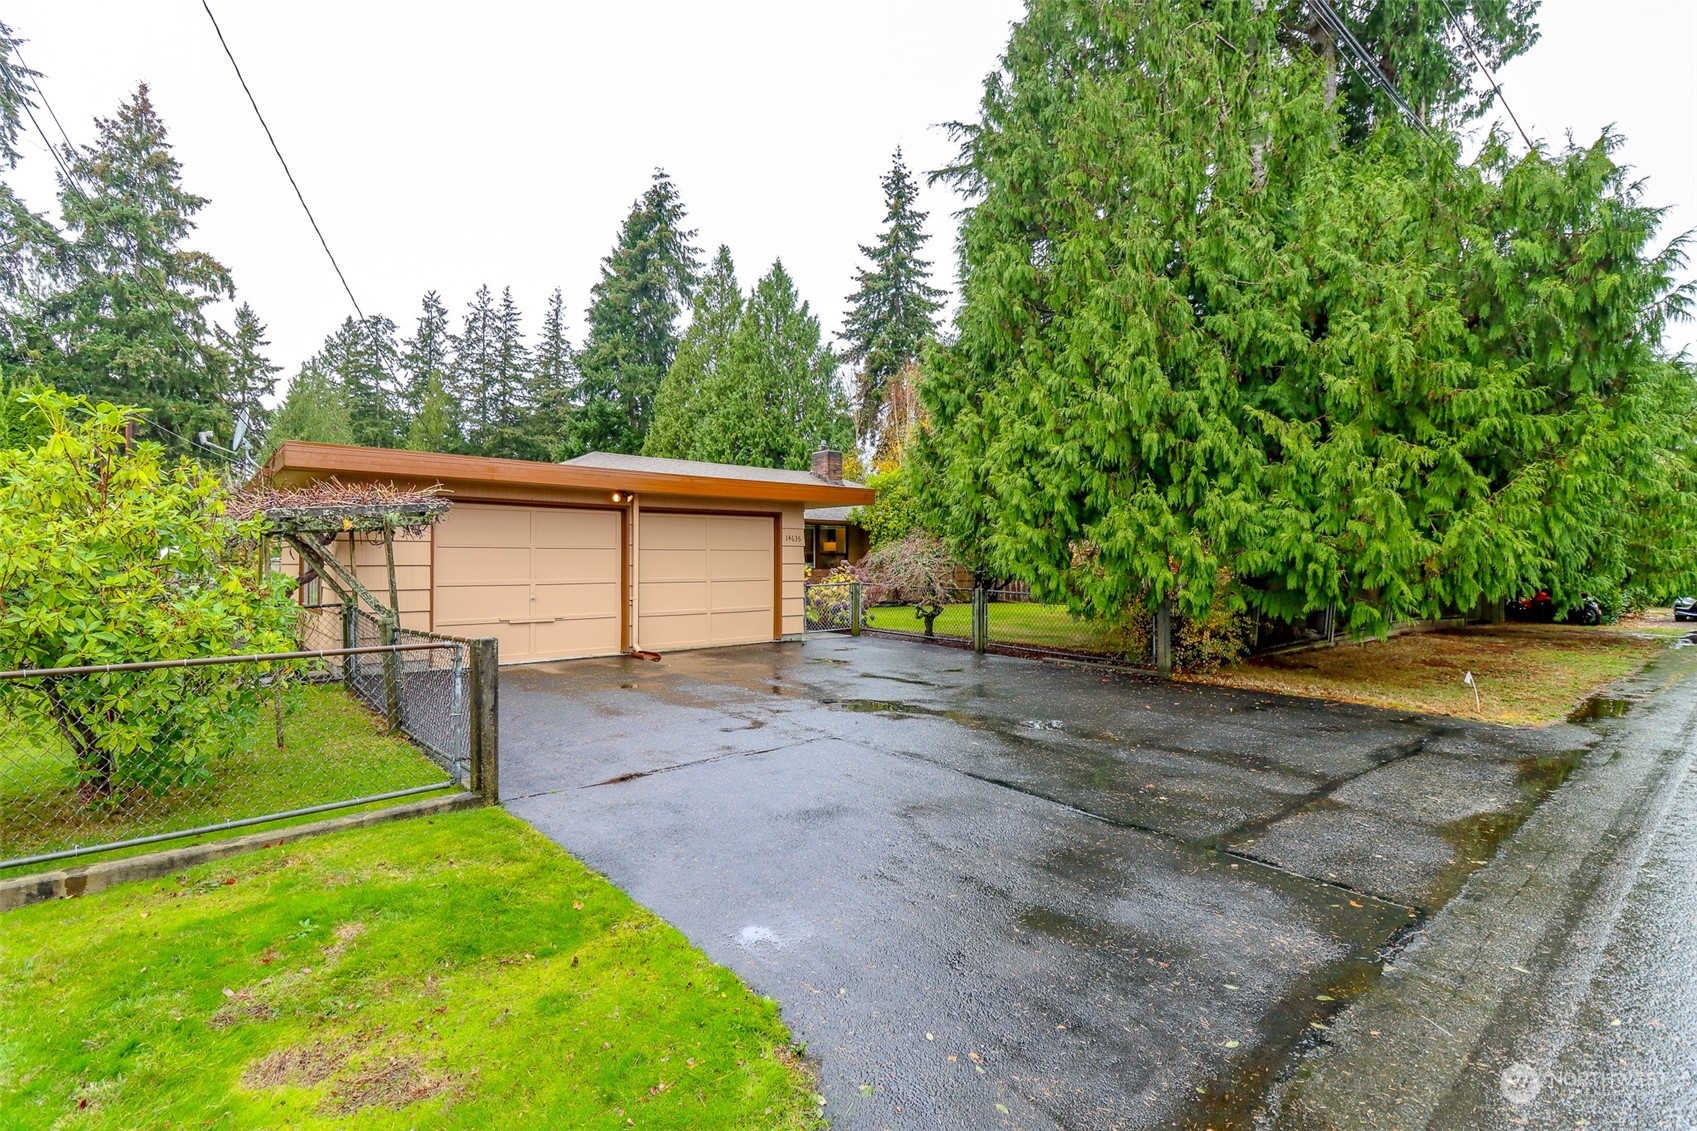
(87, 879)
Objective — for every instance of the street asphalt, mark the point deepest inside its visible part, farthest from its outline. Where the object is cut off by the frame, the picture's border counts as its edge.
(996, 892)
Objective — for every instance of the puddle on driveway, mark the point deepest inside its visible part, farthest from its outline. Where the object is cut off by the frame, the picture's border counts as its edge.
(1600, 707)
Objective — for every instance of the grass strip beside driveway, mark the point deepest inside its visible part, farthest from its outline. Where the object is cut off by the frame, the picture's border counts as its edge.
(1527, 674)
(458, 971)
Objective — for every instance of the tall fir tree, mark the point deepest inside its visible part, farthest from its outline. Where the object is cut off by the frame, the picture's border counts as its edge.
(893, 311)
(679, 406)
(253, 377)
(435, 423)
(508, 396)
(774, 399)
(553, 386)
(425, 356)
(131, 325)
(632, 322)
(364, 359)
(474, 364)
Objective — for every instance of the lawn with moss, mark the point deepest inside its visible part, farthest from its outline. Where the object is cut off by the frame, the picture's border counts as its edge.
(457, 971)
(325, 747)
(1527, 674)
(1021, 623)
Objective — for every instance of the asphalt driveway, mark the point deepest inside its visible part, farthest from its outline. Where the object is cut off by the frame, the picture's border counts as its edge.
(995, 892)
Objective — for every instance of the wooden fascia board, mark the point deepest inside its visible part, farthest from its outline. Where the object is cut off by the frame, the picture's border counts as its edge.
(298, 461)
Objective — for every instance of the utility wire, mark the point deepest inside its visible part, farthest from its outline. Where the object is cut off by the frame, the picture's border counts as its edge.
(69, 148)
(286, 171)
(1362, 61)
(1486, 71)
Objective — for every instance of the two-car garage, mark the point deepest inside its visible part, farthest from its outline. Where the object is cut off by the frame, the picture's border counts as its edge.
(596, 556)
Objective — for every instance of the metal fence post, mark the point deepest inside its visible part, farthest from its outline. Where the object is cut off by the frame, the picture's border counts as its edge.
(484, 678)
(386, 635)
(980, 619)
(854, 608)
(350, 639)
(1164, 638)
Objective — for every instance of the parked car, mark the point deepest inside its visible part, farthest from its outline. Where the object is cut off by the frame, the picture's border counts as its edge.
(1685, 608)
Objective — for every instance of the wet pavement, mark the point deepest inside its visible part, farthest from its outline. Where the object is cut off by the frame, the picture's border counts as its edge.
(995, 892)
(1559, 989)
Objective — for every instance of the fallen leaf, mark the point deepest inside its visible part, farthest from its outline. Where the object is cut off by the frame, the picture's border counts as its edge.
(1230, 1045)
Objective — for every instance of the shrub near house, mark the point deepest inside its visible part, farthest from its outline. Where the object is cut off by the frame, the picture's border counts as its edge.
(110, 554)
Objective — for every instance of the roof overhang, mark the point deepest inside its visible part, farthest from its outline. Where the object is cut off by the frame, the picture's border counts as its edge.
(297, 462)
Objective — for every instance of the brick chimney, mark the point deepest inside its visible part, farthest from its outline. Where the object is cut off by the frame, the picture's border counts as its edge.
(828, 465)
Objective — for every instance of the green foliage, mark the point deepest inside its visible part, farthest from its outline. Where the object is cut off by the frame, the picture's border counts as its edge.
(633, 312)
(424, 361)
(315, 409)
(680, 408)
(17, 83)
(893, 311)
(130, 325)
(553, 386)
(1206, 353)
(435, 426)
(21, 423)
(108, 556)
(896, 514)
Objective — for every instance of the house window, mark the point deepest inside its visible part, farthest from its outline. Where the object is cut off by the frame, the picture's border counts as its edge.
(830, 546)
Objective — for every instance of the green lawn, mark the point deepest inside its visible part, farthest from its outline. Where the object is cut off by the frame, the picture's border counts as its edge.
(459, 971)
(1012, 622)
(334, 749)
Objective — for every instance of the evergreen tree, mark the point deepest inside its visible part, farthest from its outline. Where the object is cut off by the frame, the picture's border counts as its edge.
(435, 424)
(679, 407)
(473, 367)
(893, 311)
(315, 408)
(363, 359)
(17, 83)
(632, 319)
(253, 377)
(510, 405)
(774, 400)
(425, 355)
(1206, 353)
(554, 385)
(131, 327)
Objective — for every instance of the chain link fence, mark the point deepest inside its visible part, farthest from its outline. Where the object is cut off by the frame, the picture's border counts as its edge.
(1005, 620)
(93, 759)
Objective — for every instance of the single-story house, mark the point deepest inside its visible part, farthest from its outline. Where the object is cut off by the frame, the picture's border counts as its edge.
(591, 557)
(833, 537)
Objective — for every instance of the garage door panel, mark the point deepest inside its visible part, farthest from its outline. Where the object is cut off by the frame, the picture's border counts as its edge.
(747, 564)
(481, 565)
(576, 529)
(736, 532)
(673, 532)
(552, 565)
(590, 599)
(676, 630)
(672, 565)
(574, 636)
(470, 525)
(748, 625)
(481, 604)
(656, 598)
(740, 595)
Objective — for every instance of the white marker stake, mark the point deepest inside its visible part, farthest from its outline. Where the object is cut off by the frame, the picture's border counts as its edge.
(1468, 680)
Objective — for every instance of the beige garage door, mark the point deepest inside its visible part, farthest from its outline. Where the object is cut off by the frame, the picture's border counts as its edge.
(703, 580)
(544, 580)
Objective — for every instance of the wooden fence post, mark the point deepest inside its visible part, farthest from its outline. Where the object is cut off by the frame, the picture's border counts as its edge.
(1164, 638)
(388, 635)
(854, 608)
(484, 679)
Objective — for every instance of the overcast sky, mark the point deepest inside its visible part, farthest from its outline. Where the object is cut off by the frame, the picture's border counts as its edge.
(443, 146)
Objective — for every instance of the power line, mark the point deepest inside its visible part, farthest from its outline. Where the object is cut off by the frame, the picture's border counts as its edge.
(1362, 61)
(69, 148)
(1486, 71)
(286, 171)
